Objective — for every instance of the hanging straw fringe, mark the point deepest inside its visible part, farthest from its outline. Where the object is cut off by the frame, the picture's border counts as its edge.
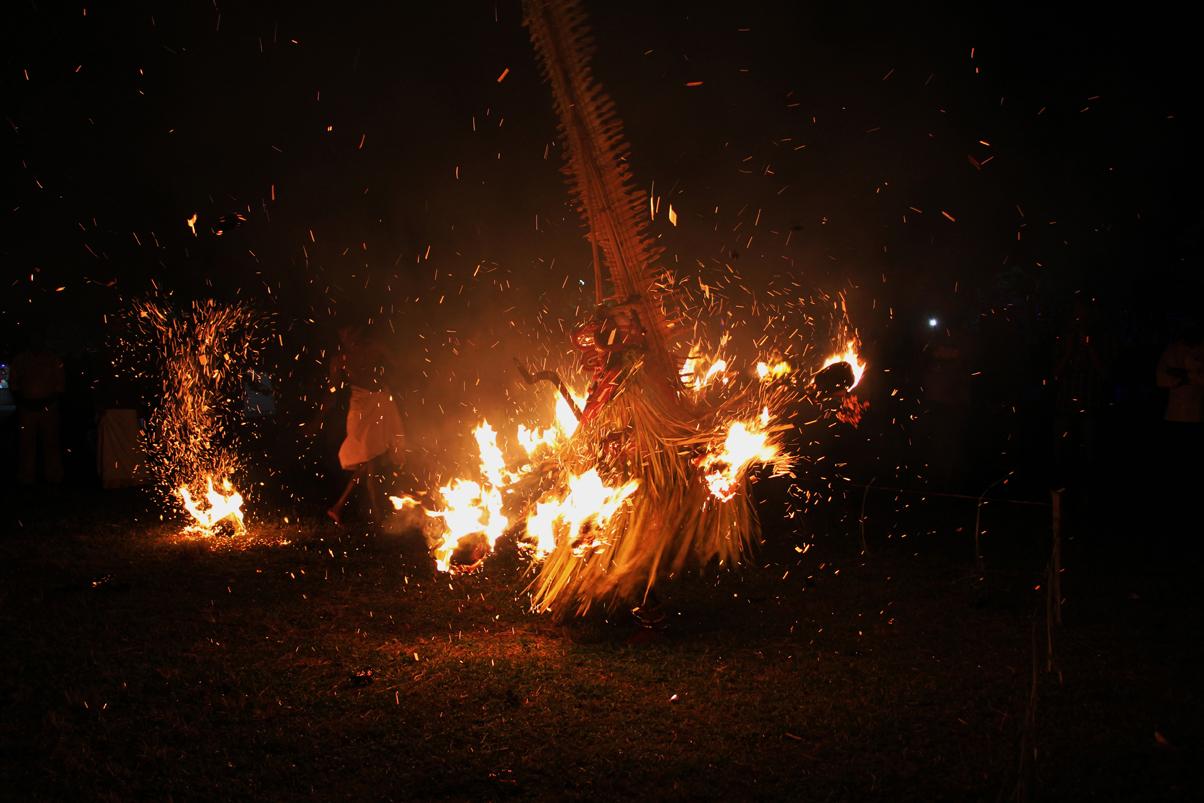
(671, 523)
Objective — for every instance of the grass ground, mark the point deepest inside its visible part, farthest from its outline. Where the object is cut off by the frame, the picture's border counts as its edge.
(312, 663)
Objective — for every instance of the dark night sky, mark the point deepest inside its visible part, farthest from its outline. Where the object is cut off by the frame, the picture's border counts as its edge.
(833, 123)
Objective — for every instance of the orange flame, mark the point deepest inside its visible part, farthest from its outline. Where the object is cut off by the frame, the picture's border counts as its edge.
(767, 372)
(746, 442)
(532, 439)
(403, 502)
(219, 507)
(852, 358)
(471, 507)
(696, 378)
(580, 516)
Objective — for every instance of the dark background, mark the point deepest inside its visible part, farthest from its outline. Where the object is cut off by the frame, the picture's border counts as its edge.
(381, 170)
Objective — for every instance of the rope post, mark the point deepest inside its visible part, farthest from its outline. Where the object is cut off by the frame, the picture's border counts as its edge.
(861, 520)
(1055, 558)
(979, 563)
(1053, 583)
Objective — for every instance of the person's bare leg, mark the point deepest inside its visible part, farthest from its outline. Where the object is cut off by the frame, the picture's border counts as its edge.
(376, 496)
(52, 450)
(336, 511)
(27, 447)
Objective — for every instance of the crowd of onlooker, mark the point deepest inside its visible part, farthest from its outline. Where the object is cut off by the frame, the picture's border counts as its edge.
(1106, 410)
(68, 416)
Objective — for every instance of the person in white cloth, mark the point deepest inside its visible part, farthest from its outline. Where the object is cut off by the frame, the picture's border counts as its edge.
(375, 440)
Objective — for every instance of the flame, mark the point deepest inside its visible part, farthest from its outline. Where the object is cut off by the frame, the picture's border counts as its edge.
(695, 378)
(220, 507)
(767, 372)
(474, 507)
(566, 419)
(493, 464)
(533, 438)
(470, 508)
(402, 502)
(745, 443)
(202, 353)
(852, 358)
(580, 516)
(719, 366)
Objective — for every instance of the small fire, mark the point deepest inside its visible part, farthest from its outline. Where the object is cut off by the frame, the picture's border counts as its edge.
(200, 354)
(580, 516)
(566, 419)
(493, 464)
(746, 442)
(696, 378)
(532, 439)
(403, 502)
(471, 507)
(851, 357)
(220, 506)
(767, 372)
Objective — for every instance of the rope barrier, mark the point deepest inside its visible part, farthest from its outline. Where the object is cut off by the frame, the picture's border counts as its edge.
(946, 494)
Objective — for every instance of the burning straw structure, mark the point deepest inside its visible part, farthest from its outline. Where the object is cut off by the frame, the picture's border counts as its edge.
(648, 472)
(688, 500)
(200, 358)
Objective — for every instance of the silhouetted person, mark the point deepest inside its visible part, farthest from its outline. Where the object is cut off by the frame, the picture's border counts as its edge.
(37, 381)
(375, 438)
(946, 386)
(1180, 372)
(120, 457)
(1079, 376)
